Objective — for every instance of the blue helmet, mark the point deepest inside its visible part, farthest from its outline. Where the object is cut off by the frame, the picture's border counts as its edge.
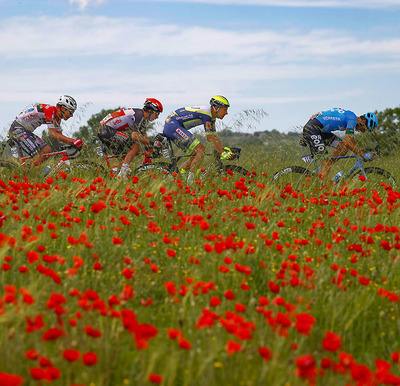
(372, 120)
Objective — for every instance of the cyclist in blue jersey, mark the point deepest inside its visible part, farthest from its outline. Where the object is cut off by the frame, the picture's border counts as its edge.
(318, 133)
(177, 128)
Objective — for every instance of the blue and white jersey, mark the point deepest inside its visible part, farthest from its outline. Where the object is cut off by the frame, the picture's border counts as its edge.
(189, 117)
(337, 119)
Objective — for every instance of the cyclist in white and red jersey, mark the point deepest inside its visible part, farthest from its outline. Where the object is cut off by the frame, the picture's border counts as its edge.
(124, 130)
(21, 130)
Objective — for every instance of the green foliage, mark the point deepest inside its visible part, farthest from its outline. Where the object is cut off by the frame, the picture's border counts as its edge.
(102, 237)
(388, 134)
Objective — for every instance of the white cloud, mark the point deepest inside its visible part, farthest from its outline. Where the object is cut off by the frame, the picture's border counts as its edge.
(110, 62)
(83, 4)
(107, 37)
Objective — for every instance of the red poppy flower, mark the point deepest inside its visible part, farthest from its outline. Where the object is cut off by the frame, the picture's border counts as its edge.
(229, 295)
(94, 333)
(89, 359)
(273, 287)
(174, 333)
(155, 378)
(31, 354)
(10, 379)
(265, 353)
(171, 253)
(184, 344)
(117, 240)
(71, 355)
(215, 301)
(331, 342)
(52, 334)
(170, 287)
(232, 347)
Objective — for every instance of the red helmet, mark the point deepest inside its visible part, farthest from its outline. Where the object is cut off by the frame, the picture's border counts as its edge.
(153, 104)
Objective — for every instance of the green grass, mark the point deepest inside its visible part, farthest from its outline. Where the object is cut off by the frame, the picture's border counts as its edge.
(313, 233)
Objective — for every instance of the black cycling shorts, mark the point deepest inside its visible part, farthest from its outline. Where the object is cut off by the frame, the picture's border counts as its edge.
(115, 141)
(28, 142)
(316, 139)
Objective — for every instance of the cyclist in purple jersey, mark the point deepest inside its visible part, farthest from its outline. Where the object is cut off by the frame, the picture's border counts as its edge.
(177, 128)
(318, 133)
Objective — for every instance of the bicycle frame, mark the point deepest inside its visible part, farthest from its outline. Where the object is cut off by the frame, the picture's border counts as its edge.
(216, 164)
(359, 165)
(106, 164)
(64, 160)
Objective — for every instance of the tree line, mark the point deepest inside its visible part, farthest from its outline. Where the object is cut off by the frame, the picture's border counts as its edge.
(387, 135)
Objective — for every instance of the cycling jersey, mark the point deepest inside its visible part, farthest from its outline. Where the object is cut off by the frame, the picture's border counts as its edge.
(37, 115)
(189, 117)
(336, 119)
(125, 119)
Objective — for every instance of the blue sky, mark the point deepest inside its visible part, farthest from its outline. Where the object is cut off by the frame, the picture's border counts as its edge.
(290, 58)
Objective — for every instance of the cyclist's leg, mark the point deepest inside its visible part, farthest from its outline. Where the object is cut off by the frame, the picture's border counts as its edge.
(186, 141)
(317, 141)
(340, 150)
(30, 143)
(130, 155)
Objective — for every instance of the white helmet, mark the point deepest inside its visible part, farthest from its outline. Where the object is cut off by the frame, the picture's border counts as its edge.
(68, 102)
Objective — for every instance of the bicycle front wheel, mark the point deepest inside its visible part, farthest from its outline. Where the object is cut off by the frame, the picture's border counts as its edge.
(377, 176)
(8, 168)
(157, 168)
(292, 175)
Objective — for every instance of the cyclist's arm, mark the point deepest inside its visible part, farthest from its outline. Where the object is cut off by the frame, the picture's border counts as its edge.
(216, 142)
(351, 144)
(212, 136)
(141, 137)
(59, 136)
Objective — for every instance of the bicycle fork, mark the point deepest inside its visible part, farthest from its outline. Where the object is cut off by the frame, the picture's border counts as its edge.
(356, 166)
(65, 159)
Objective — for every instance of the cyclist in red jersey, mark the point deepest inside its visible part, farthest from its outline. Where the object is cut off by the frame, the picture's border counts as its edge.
(124, 131)
(21, 136)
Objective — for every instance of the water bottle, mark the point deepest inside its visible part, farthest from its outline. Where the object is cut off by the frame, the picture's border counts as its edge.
(337, 177)
(46, 170)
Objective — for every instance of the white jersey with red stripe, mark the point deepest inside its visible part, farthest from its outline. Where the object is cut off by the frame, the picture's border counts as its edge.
(125, 119)
(37, 115)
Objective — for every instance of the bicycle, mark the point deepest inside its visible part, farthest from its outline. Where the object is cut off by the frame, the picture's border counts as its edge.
(171, 167)
(67, 153)
(293, 175)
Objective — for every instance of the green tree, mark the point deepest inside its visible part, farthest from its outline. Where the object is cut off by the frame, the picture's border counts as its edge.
(389, 121)
(388, 133)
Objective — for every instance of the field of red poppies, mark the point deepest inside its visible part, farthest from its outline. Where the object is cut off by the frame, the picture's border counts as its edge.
(233, 281)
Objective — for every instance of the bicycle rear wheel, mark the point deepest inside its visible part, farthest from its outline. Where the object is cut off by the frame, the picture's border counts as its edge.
(7, 165)
(292, 175)
(236, 169)
(377, 176)
(8, 168)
